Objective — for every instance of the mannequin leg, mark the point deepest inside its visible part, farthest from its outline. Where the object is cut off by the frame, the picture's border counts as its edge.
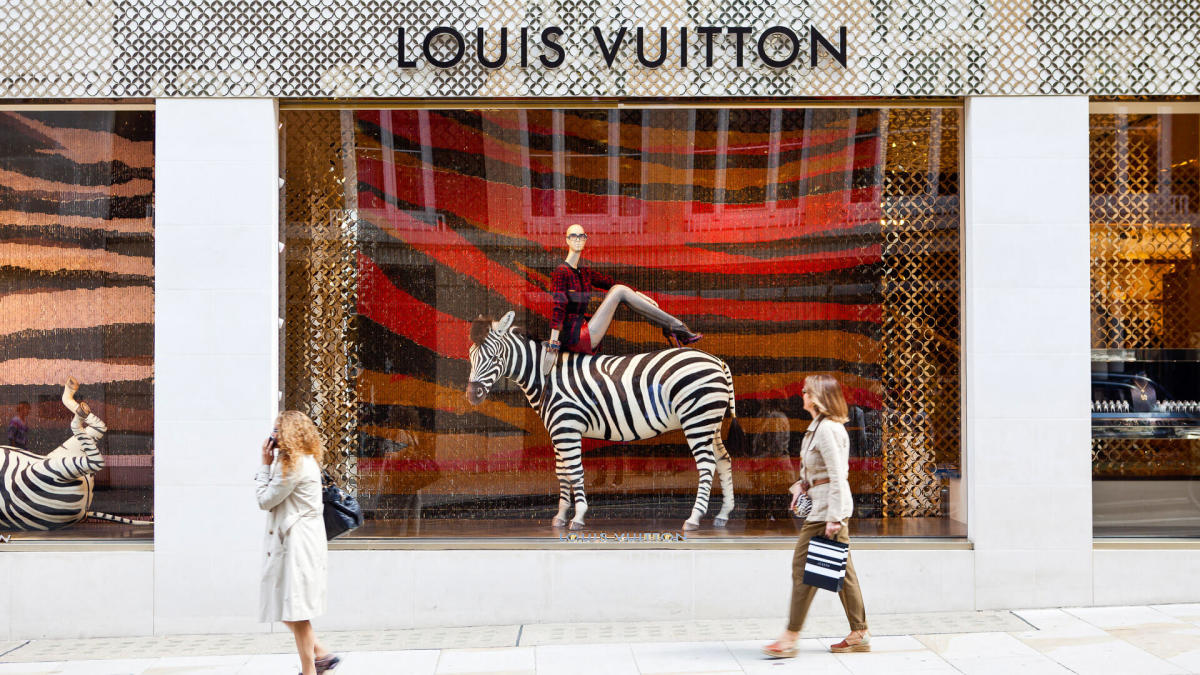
(600, 321)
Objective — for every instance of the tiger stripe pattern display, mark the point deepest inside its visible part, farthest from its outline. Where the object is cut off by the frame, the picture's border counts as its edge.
(797, 240)
(77, 291)
(614, 398)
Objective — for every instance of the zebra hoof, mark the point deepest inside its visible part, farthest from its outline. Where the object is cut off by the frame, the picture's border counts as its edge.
(689, 526)
(576, 525)
(558, 522)
(720, 522)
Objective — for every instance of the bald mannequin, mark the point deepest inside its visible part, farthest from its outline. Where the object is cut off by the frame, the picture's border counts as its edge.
(572, 285)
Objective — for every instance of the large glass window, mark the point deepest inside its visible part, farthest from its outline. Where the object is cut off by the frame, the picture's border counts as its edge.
(1145, 212)
(798, 241)
(77, 323)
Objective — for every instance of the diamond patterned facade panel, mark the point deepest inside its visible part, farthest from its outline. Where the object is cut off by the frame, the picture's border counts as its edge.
(323, 48)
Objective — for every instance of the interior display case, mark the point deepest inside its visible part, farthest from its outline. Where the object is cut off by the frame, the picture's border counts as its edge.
(1146, 393)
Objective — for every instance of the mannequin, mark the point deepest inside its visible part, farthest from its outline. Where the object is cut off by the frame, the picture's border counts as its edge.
(572, 287)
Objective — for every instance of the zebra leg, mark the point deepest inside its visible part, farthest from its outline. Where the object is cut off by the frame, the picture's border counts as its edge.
(564, 491)
(725, 473)
(570, 448)
(701, 444)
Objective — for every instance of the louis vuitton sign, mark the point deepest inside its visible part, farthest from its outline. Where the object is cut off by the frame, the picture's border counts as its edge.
(695, 47)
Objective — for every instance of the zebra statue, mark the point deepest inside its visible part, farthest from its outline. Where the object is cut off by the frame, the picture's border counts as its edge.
(616, 398)
(47, 492)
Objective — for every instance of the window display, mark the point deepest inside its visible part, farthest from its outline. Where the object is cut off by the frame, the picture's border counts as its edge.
(76, 227)
(1145, 320)
(756, 246)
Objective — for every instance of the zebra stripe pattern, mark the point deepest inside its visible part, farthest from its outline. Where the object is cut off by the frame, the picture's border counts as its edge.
(616, 398)
(48, 492)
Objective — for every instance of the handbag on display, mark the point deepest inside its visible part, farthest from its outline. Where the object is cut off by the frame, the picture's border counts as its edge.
(342, 512)
(825, 566)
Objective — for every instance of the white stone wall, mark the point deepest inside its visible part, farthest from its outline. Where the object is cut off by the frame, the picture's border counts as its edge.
(1026, 353)
(216, 355)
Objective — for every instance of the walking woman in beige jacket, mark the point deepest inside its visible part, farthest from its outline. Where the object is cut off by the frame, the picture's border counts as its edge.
(825, 458)
(295, 551)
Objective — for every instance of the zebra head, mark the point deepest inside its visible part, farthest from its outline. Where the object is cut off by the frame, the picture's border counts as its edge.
(487, 355)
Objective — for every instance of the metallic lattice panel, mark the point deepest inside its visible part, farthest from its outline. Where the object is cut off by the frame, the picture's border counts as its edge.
(323, 48)
(320, 286)
(920, 286)
(1145, 276)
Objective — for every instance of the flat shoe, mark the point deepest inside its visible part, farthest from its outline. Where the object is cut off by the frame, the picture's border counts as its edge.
(328, 663)
(777, 651)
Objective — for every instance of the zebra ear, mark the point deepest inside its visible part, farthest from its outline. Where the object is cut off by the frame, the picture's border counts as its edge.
(506, 321)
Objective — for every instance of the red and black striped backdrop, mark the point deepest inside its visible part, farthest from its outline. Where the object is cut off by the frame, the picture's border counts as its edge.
(758, 227)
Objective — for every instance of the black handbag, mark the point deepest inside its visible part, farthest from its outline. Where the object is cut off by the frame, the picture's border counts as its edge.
(342, 512)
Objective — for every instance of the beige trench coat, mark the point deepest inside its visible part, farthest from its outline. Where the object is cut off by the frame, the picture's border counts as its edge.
(825, 453)
(295, 566)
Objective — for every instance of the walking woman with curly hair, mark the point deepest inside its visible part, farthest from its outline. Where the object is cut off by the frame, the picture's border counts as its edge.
(295, 565)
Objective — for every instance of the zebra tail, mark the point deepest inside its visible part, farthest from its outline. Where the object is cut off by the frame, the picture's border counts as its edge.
(116, 519)
(735, 442)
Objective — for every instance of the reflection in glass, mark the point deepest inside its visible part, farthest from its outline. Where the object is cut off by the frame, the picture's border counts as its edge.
(1145, 276)
(77, 299)
(798, 241)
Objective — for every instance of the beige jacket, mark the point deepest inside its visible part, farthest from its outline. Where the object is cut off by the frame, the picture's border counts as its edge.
(295, 555)
(825, 453)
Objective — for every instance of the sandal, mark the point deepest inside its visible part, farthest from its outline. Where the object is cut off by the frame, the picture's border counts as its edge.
(330, 662)
(862, 644)
(777, 650)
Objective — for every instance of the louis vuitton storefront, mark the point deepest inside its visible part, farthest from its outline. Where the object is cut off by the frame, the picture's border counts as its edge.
(977, 218)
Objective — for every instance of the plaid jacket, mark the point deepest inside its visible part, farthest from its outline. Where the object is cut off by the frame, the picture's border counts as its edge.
(571, 289)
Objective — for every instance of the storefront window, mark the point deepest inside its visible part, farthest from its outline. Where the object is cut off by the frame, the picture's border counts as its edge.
(798, 241)
(1145, 208)
(77, 314)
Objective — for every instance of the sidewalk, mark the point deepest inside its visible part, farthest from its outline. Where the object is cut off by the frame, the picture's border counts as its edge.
(1118, 640)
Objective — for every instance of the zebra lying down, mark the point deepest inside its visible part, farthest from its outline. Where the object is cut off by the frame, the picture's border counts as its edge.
(47, 492)
(618, 398)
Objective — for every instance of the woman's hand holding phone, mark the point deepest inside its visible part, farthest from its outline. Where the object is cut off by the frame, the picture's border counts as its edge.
(268, 450)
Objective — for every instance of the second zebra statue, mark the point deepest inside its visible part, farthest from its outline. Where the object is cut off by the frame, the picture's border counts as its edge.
(615, 398)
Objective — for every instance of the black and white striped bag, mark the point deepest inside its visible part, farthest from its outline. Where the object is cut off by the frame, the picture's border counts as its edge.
(825, 566)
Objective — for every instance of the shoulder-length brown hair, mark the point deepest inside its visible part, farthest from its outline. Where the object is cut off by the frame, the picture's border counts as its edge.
(297, 437)
(826, 396)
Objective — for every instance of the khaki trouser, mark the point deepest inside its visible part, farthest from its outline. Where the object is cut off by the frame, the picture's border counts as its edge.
(802, 593)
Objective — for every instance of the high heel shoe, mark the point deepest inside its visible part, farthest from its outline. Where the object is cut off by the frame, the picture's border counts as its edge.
(680, 335)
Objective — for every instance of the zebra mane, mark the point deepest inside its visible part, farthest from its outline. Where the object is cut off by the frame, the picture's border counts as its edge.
(483, 324)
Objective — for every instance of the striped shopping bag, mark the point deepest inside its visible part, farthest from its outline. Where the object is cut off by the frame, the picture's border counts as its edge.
(825, 566)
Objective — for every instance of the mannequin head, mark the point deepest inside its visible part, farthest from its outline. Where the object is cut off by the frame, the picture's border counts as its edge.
(576, 238)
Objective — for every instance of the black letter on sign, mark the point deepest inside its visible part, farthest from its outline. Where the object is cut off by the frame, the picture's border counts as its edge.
(609, 53)
(708, 32)
(762, 46)
(815, 38)
(503, 48)
(741, 32)
(553, 32)
(524, 46)
(400, 43)
(662, 48)
(459, 46)
(683, 48)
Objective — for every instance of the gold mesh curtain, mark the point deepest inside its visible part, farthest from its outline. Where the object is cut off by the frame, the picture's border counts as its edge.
(1145, 277)
(920, 287)
(320, 281)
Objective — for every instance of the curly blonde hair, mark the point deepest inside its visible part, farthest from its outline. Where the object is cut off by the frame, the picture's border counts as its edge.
(297, 437)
